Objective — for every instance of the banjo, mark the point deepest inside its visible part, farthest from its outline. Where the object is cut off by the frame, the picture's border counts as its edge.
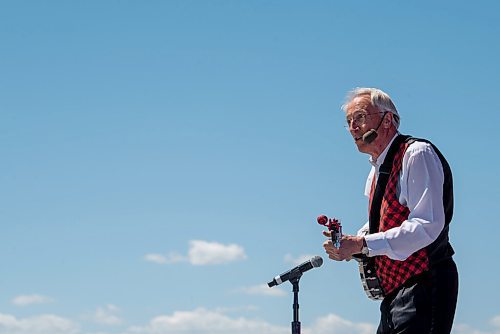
(366, 265)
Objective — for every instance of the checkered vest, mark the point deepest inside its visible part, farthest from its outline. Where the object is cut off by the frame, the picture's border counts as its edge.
(393, 273)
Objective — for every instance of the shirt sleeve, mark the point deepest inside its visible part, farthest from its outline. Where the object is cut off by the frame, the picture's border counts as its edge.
(421, 190)
(364, 230)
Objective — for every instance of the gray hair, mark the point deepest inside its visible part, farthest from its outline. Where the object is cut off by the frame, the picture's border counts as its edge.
(379, 99)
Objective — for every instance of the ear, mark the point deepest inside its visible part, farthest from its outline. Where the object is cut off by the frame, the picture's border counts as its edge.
(387, 120)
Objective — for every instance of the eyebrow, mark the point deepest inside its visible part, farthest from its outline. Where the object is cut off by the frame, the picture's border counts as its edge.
(357, 111)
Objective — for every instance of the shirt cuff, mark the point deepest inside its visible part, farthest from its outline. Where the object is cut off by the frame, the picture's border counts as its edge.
(377, 244)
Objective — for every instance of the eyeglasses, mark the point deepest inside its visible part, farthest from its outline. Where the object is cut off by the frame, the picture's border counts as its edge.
(359, 118)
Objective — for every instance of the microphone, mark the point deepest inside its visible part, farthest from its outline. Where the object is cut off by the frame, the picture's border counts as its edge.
(314, 262)
(370, 135)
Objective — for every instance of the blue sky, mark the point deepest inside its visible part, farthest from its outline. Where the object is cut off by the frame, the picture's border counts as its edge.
(163, 160)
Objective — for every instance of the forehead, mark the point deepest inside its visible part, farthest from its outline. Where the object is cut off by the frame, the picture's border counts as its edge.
(359, 103)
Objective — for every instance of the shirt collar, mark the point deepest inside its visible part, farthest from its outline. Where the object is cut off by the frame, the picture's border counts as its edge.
(381, 157)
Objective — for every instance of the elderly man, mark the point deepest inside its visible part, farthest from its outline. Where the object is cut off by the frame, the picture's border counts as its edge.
(405, 241)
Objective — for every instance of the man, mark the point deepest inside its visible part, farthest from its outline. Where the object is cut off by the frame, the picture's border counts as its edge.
(410, 207)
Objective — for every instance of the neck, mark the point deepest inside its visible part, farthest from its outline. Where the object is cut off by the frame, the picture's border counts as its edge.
(381, 142)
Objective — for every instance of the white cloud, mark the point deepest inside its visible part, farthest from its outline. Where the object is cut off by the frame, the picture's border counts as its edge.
(263, 290)
(202, 321)
(156, 258)
(297, 260)
(466, 329)
(25, 300)
(42, 324)
(333, 324)
(459, 328)
(208, 253)
(495, 321)
(202, 253)
(107, 315)
(165, 259)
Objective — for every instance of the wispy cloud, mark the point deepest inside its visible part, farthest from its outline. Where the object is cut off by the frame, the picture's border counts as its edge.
(205, 253)
(107, 315)
(199, 321)
(42, 324)
(263, 290)
(165, 259)
(25, 300)
(466, 329)
(202, 321)
(297, 260)
(325, 324)
(495, 321)
(202, 253)
(206, 321)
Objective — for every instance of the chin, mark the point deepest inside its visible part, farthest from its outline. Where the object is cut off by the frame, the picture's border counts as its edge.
(361, 145)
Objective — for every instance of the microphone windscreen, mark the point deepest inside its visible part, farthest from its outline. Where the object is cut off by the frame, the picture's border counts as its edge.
(370, 136)
(317, 261)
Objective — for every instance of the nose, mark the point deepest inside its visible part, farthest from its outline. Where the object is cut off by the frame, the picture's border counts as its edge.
(353, 126)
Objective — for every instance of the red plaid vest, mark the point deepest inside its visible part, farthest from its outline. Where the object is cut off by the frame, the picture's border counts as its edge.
(393, 273)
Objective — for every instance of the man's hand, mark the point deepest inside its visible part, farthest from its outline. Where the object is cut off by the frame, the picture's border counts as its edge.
(349, 245)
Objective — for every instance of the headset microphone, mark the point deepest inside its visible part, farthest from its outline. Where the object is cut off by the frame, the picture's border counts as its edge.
(370, 135)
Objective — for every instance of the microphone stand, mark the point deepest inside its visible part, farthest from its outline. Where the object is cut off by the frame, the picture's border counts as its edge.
(294, 279)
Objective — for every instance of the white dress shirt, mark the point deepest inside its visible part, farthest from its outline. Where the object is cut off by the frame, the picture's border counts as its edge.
(420, 188)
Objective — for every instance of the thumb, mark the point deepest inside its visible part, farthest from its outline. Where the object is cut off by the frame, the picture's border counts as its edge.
(327, 234)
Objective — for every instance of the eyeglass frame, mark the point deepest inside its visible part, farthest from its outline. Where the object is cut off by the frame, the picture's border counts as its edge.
(361, 113)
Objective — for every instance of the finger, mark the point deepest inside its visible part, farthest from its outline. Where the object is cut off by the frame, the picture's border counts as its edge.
(334, 257)
(327, 234)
